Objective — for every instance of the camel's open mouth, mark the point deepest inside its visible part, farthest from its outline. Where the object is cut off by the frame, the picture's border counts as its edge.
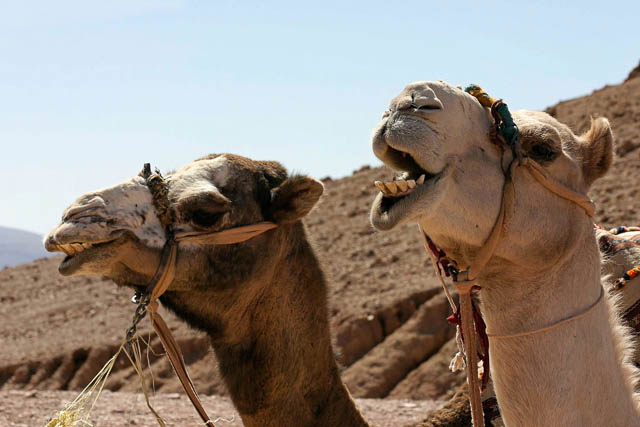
(396, 200)
(406, 183)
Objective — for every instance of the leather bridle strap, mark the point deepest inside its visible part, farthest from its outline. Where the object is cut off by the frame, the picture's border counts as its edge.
(559, 189)
(177, 361)
(228, 236)
(165, 273)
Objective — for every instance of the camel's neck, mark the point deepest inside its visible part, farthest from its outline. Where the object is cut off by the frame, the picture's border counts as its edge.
(275, 355)
(572, 374)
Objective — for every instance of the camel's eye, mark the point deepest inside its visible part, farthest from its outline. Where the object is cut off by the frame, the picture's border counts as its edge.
(606, 246)
(205, 218)
(542, 152)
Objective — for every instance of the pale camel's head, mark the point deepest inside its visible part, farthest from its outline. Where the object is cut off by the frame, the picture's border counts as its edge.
(620, 252)
(116, 232)
(439, 131)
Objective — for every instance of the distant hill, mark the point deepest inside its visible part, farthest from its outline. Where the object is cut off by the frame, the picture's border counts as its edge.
(19, 247)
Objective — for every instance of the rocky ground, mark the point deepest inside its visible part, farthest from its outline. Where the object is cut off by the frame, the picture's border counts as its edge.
(387, 312)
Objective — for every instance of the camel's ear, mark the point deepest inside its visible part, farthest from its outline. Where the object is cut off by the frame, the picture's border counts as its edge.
(294, 198)
(597, 150)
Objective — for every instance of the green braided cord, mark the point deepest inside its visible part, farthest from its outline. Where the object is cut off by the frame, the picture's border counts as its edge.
(507, 128)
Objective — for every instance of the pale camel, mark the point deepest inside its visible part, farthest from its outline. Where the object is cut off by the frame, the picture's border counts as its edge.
(263, 302)
(546, 267)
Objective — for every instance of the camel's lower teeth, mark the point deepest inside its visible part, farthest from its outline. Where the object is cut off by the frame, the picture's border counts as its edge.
(399, 188)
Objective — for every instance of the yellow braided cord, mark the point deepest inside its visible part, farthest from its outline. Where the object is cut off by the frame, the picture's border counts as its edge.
(482, 96)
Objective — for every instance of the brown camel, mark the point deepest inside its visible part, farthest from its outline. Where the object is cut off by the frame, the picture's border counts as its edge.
(262, 302)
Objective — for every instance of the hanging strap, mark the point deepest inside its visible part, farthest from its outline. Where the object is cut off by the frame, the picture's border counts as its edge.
(468, 330)
(177, 361)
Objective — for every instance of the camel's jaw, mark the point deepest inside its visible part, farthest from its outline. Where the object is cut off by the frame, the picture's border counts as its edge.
(420, 184)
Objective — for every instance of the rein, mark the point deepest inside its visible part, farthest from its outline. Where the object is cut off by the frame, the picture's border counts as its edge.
(468, 319)
(165, 273)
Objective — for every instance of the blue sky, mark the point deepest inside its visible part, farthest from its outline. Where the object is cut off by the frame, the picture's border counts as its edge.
(90, 90)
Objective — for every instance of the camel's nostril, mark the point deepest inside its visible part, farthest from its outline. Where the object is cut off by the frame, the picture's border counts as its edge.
(426, 104)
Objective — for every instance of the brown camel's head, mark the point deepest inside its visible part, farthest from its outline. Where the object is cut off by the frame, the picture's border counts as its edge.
(116, 232)
(451, 173)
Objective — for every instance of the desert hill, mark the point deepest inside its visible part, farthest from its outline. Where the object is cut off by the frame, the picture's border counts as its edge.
(387, 311)
(19, 247)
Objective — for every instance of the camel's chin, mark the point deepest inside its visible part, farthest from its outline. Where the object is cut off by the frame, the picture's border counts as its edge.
(389, 212)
